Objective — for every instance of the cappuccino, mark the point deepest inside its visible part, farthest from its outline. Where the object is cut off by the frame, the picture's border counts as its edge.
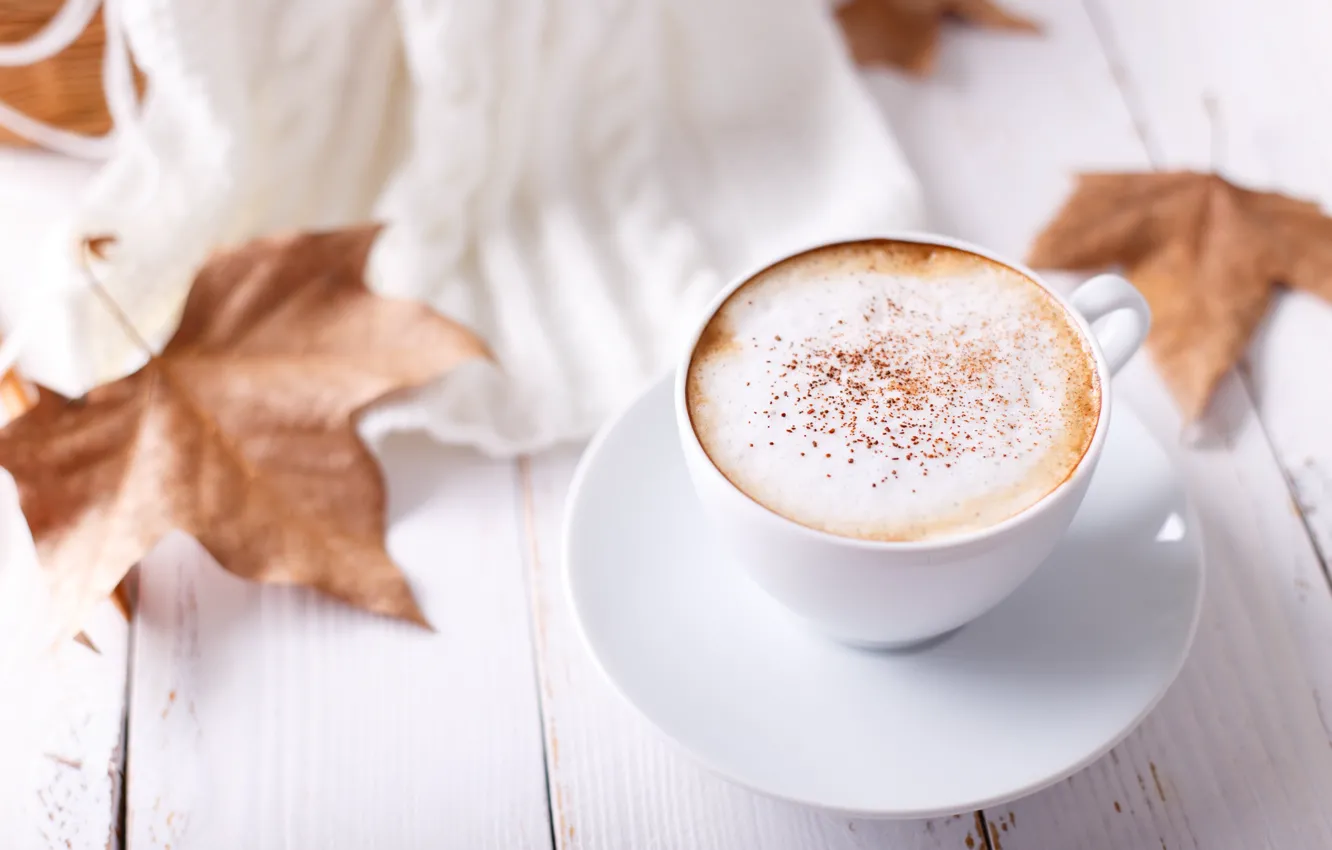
(893, 391)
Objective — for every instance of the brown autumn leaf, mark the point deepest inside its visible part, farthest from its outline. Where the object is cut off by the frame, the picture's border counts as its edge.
(905, 33)
(240, 433)
(16, 397)
(1206, 254)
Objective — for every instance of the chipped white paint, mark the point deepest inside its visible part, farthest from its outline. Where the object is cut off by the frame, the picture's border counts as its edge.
(62, 783)
(71, 768)
(1238, 86)
(1237, 755)
(266, 717)
(615, 783)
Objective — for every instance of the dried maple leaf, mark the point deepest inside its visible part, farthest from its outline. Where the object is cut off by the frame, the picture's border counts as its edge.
(1205, 253)
(241, 432)
(905, 33)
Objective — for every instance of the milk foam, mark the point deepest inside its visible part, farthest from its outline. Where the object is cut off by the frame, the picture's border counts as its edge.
(893, 391)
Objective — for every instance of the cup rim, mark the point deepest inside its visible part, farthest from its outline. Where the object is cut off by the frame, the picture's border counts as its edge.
(1080, 472)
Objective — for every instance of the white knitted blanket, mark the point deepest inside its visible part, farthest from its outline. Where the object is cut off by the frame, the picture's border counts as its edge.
(569, 178)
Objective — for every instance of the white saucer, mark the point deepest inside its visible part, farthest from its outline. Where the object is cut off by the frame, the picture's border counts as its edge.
(1021, 698)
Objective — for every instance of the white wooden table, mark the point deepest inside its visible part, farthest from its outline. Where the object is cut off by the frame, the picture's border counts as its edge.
(247, 717)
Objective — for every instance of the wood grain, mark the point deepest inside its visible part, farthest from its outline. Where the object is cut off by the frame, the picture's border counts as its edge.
(70, 776)
(615, 783)
(331, 728)
(1237, 754)
(1235, 92)
(65, 90)
(72, 768)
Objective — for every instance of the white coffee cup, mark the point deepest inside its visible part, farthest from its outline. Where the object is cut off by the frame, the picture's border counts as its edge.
(878, 593)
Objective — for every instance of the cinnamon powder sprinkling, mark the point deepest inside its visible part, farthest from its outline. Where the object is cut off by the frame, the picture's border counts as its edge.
(922, 395)
(915, 395)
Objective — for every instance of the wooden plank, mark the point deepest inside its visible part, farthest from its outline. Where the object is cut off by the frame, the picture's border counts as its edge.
(1243, 731)
(614, 783)
(62, 783)
(1237, 755)
(64, 774)
(267, 717)
(1230, 85)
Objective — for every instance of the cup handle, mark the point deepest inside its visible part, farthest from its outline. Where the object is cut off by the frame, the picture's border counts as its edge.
(1128, 317)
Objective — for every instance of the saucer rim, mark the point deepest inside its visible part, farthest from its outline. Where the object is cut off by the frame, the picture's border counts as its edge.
(576, 486)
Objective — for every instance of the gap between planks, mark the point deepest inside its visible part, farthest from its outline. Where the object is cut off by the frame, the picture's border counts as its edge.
(1135, 105)
(1236, 750)
(526, 524)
